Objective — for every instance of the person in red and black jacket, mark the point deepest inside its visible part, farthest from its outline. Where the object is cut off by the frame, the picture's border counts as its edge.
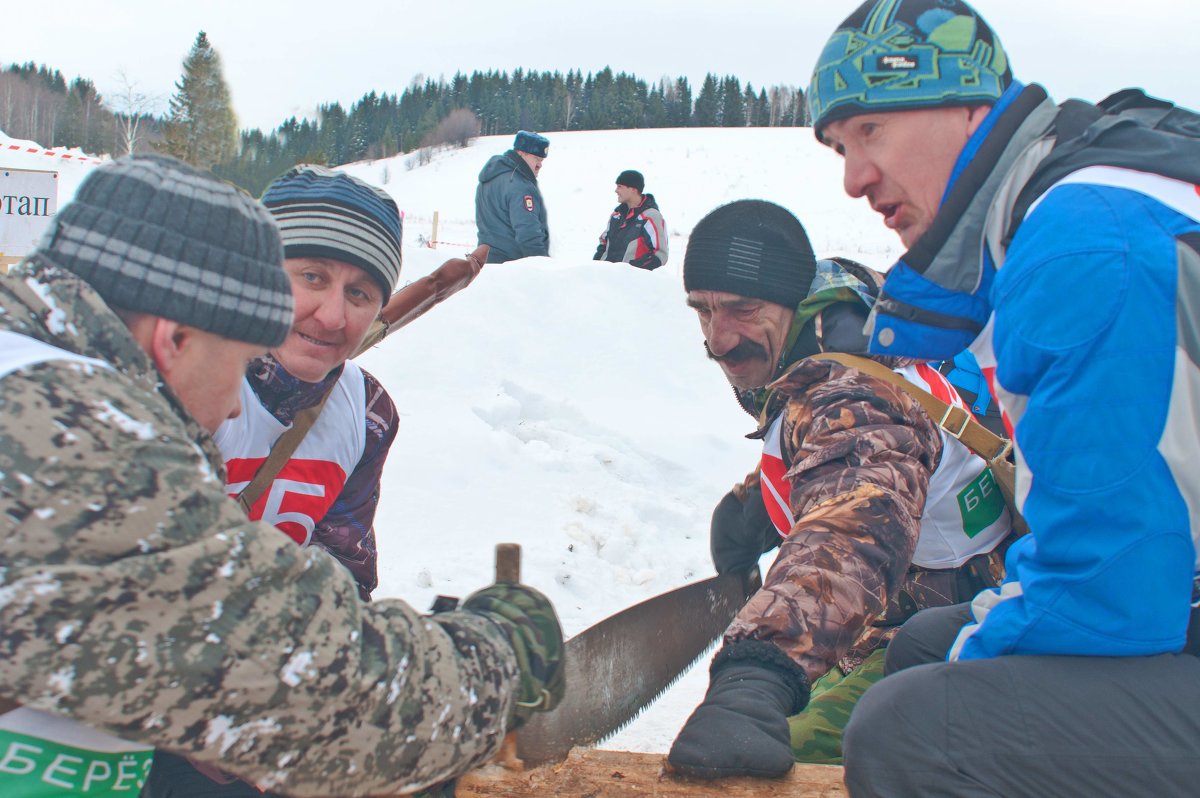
(636, 232)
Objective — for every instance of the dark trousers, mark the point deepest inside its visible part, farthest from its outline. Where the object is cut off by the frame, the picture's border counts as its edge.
(173, 776)
(1021, 725)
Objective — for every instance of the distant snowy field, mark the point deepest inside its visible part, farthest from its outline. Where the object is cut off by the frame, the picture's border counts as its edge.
(567, 405)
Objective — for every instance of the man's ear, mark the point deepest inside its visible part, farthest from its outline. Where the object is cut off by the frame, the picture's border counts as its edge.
(975, 116)
(166, 342)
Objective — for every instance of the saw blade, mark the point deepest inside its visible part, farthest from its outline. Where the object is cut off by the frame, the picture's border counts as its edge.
(617, 667)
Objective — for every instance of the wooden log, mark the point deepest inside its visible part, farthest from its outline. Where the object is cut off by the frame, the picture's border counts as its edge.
(588, 773)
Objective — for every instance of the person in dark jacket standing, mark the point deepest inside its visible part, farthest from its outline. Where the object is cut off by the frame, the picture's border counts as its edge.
(509, 210)
(636, 232)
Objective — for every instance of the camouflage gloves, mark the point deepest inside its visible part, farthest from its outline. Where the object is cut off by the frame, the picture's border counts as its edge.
(741, 728)
(741, 530)
(529, 622)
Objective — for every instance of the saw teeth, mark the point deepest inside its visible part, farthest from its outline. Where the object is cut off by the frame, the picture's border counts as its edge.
(705, 654)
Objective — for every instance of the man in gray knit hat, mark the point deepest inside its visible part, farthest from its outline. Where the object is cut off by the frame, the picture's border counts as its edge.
(140, 607)
(341, 245)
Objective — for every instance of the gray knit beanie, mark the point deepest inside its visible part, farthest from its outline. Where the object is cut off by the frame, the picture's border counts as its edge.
(153, 235)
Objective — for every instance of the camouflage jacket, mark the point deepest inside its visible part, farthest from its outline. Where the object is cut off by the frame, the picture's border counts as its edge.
(861, 453)
(135, 597)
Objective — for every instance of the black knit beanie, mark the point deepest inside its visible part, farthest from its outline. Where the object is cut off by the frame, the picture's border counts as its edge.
(751, 248)
(154, 235)
(632, 179)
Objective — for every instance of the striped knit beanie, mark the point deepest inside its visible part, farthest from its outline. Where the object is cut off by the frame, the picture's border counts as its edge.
(750, 248)
(327, 214)
(153, 235)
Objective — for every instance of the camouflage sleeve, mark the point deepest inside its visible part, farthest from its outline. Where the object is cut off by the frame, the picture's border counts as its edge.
(348, 529)
(136, 598)
(861, 453)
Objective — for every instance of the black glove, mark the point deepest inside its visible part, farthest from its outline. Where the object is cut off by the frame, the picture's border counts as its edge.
(649, 262)
(599, 252)
(741, 727)
(443, 789)
(741, 531)
(531, 625)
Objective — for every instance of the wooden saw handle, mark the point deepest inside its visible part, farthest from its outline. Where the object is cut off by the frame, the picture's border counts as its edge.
(508, 572)
(508, 563)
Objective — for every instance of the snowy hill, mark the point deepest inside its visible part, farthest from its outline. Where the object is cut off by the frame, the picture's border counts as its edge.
(565, 404)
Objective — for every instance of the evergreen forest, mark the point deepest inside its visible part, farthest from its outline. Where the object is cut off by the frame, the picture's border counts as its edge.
(199, 125)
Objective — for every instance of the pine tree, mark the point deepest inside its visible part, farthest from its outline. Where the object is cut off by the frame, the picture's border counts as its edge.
(82, 123)
(750, 106)
(733, 109)
(680, 104)
(202, 129)
(708, 104)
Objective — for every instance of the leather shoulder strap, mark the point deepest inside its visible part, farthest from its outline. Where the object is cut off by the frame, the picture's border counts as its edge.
(282, 451)
(957, 421)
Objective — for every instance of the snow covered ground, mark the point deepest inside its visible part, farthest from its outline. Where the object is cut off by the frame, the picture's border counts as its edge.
(565, 404)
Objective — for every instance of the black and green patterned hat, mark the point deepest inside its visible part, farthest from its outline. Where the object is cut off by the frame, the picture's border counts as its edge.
(899, 55)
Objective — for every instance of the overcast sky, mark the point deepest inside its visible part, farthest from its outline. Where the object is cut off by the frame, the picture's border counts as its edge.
(285, 58)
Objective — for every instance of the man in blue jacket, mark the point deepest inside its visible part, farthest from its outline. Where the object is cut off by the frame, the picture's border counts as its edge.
(509, 210)
(1062, 245)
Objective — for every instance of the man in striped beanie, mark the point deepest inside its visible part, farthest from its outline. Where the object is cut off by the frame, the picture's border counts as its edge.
(341, 244)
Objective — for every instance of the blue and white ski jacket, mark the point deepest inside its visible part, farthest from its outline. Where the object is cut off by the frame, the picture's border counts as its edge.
(1090, 338)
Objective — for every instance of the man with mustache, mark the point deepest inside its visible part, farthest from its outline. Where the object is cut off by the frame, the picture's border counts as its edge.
(1061, 243)
(872, 505)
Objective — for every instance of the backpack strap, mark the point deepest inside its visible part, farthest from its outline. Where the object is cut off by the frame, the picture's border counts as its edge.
(956, 421)
(283, 449)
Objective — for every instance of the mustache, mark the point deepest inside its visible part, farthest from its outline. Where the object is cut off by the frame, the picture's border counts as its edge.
(745, 350)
